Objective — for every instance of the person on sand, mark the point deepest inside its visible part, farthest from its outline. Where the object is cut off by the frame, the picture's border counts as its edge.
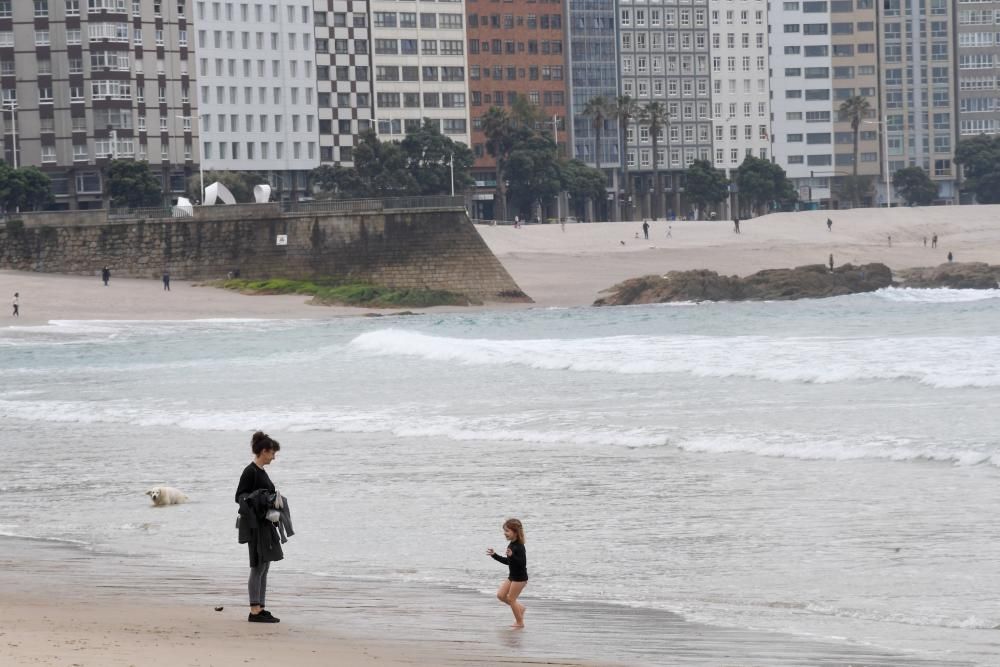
(254, 494)
(645, 229)
(829, 225)
(105, 275)
(925, 241)
(934, 241)
(166, 281)
(517, 562)
(831, 261)
(15, 303)
(950, 257)
(736, 225)
(890, 240)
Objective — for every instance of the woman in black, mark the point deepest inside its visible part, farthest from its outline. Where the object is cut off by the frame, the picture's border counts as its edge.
(517, 561)
(258, 533)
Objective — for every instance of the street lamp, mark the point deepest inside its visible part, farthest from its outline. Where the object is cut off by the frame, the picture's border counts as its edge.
(555, 135)
(885, 150)
(11, 105)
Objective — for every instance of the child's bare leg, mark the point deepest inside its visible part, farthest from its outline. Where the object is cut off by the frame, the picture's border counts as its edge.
(516, 607)
(503, 590)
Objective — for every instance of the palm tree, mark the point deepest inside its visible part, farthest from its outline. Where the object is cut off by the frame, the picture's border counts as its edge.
(597, 109)
(499, 130)
(655, 115)
(627, 110)
(854, 109)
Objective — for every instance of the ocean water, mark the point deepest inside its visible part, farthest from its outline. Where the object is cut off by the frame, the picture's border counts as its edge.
(823, 469)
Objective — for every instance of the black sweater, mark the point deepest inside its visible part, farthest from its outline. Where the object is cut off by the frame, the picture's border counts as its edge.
(253, 478)
(518, 561)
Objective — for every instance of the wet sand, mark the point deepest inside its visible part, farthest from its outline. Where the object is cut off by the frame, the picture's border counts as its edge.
(67, 606)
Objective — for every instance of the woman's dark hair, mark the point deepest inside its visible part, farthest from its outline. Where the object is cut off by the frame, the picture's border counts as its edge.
(262, 441)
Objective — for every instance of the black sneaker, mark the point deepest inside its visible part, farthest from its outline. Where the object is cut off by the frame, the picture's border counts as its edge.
(265, 612)
(262, 618)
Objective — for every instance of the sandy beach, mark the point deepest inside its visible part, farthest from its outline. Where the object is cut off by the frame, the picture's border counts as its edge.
(571, 267)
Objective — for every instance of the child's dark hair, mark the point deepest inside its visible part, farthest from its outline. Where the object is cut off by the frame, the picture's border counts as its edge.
(516, 527)
(262, 441)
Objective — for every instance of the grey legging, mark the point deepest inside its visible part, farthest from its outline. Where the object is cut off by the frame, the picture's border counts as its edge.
(257, 585)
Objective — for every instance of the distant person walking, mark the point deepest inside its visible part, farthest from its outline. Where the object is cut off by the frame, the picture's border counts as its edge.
(736, 225)
(166, 281)
(562, 223)
(15, 302)
(831, 261)
(890, 240)
(517, 222)
(105, 275)
(925, 241)
(934, 241)
(517, 562)
(950, 257)
(829, 225)
(645, 229)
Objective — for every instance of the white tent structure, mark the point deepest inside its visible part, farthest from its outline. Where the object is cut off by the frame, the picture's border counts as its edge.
(262, 193)
(183, 208)
(217, 191)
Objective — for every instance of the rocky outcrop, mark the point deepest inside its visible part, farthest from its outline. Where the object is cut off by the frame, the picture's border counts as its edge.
(965, 275)
(814, 281)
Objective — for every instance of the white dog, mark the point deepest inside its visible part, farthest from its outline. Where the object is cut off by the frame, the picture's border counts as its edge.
(166, 495)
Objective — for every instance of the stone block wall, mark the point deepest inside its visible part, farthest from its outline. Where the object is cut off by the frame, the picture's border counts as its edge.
(409, 248)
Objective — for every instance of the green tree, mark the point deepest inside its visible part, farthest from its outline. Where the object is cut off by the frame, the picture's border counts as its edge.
(581, 181)
(429, 155)
(338, 182)
(656, 116)
(980, 160)
(533, 172)
(855, 109)
(704, 184)
(598, 109)
(24, 189)
(762, 182)
(131, 184)
(499, 128)
(915, 186)
(383, 168)
(626, 110)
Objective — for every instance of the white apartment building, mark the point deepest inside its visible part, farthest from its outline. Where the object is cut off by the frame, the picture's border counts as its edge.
(419, 67)
(741, 90)
(257, 89)
(822, 53)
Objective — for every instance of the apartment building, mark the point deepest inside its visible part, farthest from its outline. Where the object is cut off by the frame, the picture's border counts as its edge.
(343, 77)
(515, 50)
(823, 53)
(420, 65)
(592, 33)
(86, 81)
(664, 53)
(257, 90)
(978, 67)
(741, 90)
(919, 60)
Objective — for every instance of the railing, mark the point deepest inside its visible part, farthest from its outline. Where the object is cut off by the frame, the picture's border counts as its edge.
(372, 204)
(154, 212)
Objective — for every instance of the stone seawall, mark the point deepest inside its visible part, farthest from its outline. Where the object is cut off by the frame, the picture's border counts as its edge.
(406, 248)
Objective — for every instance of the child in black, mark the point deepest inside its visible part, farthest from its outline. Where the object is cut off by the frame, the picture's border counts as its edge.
(517, 562)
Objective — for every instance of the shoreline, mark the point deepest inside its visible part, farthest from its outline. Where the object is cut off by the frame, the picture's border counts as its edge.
(64, 602)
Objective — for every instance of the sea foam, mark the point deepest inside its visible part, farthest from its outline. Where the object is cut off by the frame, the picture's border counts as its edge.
(942, 362)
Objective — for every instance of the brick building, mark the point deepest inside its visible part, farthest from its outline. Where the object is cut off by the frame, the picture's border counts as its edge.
(516, 48)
